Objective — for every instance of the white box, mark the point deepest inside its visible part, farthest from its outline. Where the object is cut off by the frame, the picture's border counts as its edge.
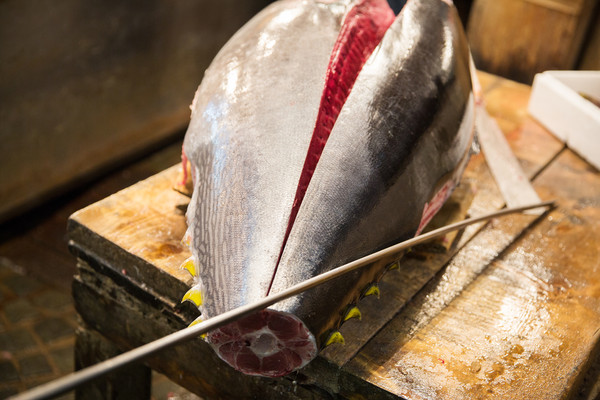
(557, 103)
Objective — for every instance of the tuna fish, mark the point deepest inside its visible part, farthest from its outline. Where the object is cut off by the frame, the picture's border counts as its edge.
(321, 132)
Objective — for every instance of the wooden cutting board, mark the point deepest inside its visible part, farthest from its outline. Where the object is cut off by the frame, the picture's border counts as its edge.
(510, 310)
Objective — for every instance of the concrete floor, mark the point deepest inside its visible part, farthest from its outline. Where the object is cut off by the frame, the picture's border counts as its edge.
(37, 317)
(37, 325)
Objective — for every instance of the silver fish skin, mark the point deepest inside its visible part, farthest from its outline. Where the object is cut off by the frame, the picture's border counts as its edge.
(403, 137)
(252, 117)
(396, 151)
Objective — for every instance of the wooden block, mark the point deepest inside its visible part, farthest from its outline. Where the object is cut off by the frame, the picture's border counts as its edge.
(138, 232)
(590, 57)
(131, 383)
(519, 38)
(129, 321)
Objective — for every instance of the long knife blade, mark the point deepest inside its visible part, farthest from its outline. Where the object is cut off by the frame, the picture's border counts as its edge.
(504, 166)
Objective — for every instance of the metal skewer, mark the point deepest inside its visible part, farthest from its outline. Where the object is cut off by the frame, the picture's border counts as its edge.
(69, 382)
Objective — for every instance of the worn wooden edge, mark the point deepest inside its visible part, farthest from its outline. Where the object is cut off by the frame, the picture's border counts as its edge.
(140, 291)
(86, 229)
(129, 321)
(587, 383)
(122, 265)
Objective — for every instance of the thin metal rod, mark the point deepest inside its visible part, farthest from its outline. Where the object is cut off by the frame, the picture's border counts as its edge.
(71, 381)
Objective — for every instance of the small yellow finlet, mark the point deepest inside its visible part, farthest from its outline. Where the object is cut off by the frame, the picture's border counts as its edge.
(187, 239)
(372, 290)
(393, 266)
(194, 295)
(335, 337)
(197, 321)
(190, 266)
(352, 312)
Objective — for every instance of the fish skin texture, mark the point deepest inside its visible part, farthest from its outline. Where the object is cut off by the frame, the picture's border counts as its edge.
(397, 141)
(252, 118)
(394, 154)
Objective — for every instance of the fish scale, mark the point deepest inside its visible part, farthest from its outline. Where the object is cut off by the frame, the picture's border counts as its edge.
(296, 171)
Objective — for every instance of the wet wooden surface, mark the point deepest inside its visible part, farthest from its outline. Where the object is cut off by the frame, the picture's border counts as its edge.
(515, 314)
(511, 310)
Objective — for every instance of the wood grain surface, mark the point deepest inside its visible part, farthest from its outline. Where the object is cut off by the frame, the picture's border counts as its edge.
(590, 57)
(510, 310)
(519, 38)
(138, 231)
(515, 314)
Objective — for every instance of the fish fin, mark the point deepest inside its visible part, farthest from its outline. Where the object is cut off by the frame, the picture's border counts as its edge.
(187, 239)
(352, 312)
(371, 290)
(190, 266)
(393, 266)
(335, 337)
(197, 321)
(194, 295)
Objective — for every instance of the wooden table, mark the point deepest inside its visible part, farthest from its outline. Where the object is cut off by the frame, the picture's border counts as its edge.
(511, 311)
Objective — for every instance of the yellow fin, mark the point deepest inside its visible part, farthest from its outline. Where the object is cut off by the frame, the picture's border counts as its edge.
(394, 265)
(187, 239)
(335, 337)
(189, 266)
(372, 290)
(352, 312)
(197, 321)
(194, 295)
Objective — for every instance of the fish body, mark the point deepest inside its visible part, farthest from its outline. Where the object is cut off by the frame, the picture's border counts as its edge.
(309, 150)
